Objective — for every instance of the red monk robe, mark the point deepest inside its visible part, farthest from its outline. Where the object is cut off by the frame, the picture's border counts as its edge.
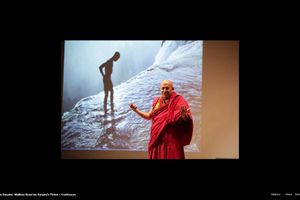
(169, 132)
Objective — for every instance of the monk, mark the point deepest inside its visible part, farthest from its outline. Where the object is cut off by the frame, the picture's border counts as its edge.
(172, 124)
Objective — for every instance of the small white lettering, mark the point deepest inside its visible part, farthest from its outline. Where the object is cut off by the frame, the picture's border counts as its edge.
(67, 194)
(19, 194)
(7, 195)
(46, 194)
(275, 194)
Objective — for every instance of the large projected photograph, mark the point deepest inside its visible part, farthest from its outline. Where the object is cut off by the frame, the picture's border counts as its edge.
(100, 79)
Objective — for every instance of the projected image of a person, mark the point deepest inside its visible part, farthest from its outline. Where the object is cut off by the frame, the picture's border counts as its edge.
(172, 124)
(107, 83)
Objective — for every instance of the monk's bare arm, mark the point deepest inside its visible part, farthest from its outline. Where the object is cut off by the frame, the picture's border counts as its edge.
(145, 115)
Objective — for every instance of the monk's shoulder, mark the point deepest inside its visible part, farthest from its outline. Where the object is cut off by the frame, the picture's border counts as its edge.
(155, 100)
(180, 98)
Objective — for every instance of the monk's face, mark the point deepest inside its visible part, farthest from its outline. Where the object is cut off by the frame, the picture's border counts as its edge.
(166, 89)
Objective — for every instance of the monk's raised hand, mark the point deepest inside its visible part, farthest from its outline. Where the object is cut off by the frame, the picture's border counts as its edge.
(132, 106)
(184, 111)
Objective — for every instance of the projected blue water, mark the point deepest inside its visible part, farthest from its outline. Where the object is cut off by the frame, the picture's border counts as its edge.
(86, 127)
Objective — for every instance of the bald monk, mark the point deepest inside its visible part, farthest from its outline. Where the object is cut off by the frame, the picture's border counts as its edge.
(172, 124)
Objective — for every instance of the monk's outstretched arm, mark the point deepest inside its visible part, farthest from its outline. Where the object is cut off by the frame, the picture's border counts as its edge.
(145, 115)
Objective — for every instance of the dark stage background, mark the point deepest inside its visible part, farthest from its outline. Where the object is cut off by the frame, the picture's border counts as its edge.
(30, 150)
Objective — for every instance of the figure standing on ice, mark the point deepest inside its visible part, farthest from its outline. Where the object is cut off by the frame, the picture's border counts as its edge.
(107, 83)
